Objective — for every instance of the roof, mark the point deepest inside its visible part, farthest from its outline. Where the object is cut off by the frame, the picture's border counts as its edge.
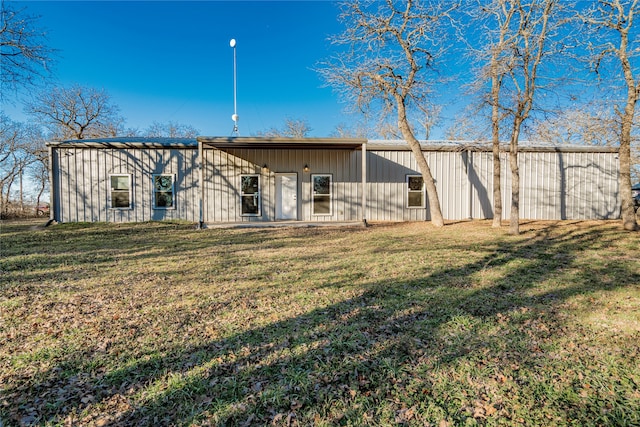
(282, 143)
(127, 142)
(316, 143)
(524, 146)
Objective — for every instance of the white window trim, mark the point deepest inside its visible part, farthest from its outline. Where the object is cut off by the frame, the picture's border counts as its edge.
(330, 195)
(173, 191)
(408, 191)
(110, 201)
(259, 194)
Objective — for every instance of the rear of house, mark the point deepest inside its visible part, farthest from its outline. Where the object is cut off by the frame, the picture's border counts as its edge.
(234, 180)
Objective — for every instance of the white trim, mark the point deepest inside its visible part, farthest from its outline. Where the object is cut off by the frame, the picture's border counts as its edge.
(330, 195)
(173, 191)
(422, 192)
(111, 190)
(257, 194)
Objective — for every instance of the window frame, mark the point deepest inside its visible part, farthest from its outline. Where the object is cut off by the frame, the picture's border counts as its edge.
(409, 191)
(313, 194)
(154, 191)
(129, 191)
(258, 192)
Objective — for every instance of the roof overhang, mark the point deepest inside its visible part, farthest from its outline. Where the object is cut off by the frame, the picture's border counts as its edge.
(227, 143)
(126, 142)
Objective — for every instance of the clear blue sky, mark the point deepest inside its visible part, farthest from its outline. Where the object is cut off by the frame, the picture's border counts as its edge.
(171, 60)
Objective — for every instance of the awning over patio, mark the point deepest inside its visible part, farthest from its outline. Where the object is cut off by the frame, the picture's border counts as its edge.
(281, 143)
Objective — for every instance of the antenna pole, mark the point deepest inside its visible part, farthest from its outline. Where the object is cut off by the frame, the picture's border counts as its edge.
(234, 117)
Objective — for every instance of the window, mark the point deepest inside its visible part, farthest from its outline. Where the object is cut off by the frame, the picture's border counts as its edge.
(250, 194)
(163, 191)
(120, 191)
(321, 204)
(415, 191)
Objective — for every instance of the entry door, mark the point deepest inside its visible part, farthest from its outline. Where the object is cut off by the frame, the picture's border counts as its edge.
(287, 196)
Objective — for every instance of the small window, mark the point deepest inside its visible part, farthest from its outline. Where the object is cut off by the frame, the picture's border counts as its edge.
(163, 192)
(415, 191)
(321, 194)
(250, 194)
(120, 191)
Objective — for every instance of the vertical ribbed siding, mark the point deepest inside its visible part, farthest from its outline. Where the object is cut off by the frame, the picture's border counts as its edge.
(222, 182)
(554, 185)
(82, 183)
(564, 185)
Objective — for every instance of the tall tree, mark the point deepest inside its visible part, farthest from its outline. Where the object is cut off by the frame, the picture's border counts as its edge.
(391, 50)
(618, 37)
(24, 55)
(517, 42)
(76, 112)
(498, 57)
(20, 146)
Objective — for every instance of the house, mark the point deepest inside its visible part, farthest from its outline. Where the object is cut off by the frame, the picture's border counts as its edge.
(209, 180)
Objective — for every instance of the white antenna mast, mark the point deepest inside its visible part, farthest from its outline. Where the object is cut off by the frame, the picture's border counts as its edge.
(234, 117)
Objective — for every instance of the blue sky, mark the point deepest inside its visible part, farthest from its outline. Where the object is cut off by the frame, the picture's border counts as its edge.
(171, 60)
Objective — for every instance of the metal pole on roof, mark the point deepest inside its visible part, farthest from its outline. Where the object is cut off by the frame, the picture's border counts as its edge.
(234, 117)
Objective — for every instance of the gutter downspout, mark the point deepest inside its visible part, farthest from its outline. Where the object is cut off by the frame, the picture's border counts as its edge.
(364, 184)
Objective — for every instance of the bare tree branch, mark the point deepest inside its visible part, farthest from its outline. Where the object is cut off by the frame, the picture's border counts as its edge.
(76, 112)
(24, 56)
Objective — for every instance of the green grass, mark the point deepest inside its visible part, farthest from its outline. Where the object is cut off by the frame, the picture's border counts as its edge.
(395, 324)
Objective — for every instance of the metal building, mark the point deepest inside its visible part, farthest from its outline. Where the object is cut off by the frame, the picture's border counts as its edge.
(231, 180)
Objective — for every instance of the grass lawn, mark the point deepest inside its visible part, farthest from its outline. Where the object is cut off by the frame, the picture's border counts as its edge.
(396, 324)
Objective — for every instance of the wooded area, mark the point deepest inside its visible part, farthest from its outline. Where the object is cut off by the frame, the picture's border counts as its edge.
(389, 65)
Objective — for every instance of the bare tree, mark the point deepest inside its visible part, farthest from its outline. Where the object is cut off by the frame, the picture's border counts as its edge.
(591, 124)
(388, 62)
(171, 130)
(76, 112)
(618, 37)
(499, 57)
(516, 45)
(292, 128)
(20, 149)
(24, 56)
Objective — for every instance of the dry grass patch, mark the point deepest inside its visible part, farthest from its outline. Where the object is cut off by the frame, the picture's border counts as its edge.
(395, 324)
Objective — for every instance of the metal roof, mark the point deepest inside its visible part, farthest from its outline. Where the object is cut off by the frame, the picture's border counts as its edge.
(316, 143)
(281, 143)
(524, 146)
(127, 142)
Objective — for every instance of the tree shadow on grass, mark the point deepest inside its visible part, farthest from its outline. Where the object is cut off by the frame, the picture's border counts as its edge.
(373, 359)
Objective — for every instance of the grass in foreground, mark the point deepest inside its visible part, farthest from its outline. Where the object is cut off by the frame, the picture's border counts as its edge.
(403, 324)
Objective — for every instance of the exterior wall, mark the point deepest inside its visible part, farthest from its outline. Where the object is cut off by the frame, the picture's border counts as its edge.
(554, 185)
(81, 183)
(564, 185)
(461, 181)
(223, 168)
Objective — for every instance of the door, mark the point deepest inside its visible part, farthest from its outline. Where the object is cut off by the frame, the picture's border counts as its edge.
(287, 196)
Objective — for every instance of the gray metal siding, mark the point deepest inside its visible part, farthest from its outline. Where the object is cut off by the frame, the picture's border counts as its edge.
(222, 170)
(564, 185)
(555, 185)
(81, 183)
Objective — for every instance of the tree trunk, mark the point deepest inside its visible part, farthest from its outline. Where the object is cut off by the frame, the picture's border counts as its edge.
(633, 93)
(514, 216)
(21, 191)
(495, 133)
(628, 211)
(432, 192)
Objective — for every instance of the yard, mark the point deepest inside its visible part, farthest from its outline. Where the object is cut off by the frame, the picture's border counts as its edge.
(395, 324)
